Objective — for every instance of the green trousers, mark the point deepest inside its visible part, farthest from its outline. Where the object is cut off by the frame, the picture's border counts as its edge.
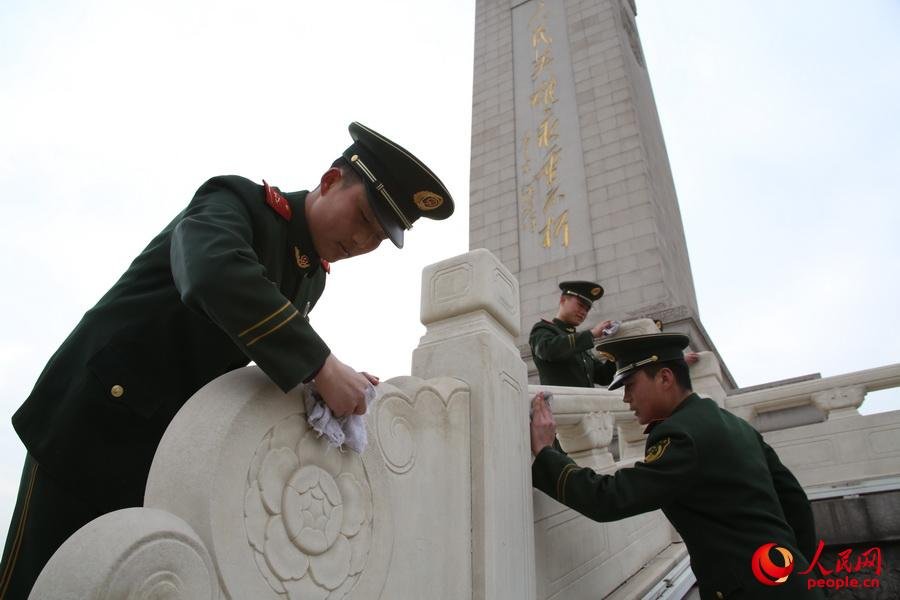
(46, 514)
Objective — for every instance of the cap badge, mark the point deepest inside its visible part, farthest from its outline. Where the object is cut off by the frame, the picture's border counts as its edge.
(596, 291)
(302, 259)
(427, 200)
(656, 451)
(606, 355)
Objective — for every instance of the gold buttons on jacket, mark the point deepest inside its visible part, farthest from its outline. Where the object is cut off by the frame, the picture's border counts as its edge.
(720, 595)
(117, 391)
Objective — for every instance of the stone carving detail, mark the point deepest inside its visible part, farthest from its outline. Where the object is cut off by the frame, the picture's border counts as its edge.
(593, 431)
(587, 441)
(395, 433)
(506, 291)
(308, 513)
(452, 283)
(134, 553)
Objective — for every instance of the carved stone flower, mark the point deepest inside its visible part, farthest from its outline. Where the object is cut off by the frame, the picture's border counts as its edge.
(308, 514)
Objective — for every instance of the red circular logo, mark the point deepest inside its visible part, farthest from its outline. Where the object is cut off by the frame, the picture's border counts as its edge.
(764, 568)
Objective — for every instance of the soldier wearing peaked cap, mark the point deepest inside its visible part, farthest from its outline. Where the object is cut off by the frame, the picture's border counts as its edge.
(231, 279)
(720, 485)
(563, 355)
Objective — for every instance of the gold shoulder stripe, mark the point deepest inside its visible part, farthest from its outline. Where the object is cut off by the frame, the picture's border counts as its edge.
(561, 482)
(274, 329)
(656, 450)
(264, 321)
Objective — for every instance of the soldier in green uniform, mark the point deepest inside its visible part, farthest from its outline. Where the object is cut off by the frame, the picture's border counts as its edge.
(563, 355)
(722, 487)
(231, 279)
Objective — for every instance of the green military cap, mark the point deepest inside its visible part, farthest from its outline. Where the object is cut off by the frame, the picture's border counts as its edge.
(400, 188)
(586, 290)
(633, 352)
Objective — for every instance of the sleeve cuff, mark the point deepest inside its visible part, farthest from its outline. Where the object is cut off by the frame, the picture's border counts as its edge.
(549, 471)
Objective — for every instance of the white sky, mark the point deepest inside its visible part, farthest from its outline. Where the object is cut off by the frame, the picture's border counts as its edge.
(780, 120)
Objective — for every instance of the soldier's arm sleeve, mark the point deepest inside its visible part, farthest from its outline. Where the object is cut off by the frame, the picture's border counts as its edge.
(604, 372)
(218, 274)
(551, 346)
(668, 470)
(794, 503)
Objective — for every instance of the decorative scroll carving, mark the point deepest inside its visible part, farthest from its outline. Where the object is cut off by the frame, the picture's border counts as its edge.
(401, 408)
(394, 433)
(134, 553)
(308, 513)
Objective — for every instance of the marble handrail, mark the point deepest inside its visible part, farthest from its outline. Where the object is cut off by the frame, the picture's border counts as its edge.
(587, 416)
(837, 396)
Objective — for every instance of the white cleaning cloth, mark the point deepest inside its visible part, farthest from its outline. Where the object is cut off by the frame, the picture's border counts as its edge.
(350, 430)
(613, 328)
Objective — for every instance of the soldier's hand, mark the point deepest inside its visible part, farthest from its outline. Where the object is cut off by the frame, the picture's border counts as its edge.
(342, 388)
(543, 425)
(597, 330)
(691, 358)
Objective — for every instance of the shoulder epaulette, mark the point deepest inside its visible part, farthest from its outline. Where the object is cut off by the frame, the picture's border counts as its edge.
(277, 202)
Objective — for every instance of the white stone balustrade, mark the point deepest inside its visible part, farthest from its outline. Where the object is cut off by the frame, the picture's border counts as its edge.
(838, 396)
(245, 501)
(847, 454)
(439, 505)
(843, 456)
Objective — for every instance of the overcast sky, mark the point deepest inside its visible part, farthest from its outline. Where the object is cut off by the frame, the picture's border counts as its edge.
(780, 120)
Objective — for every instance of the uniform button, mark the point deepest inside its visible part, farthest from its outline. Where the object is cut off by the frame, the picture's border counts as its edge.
(720, 595)
(117, 391)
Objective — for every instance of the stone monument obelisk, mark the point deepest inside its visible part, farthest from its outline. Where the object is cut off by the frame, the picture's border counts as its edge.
(569, 176)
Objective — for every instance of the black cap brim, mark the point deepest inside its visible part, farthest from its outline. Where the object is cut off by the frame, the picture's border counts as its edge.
(633, 351)
(385, 217)
(400, 187)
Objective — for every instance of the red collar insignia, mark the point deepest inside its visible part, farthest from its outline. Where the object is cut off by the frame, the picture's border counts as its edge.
(278, 202)
(326, 265)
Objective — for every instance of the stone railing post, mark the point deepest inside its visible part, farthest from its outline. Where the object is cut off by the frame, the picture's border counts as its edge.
(470, 307)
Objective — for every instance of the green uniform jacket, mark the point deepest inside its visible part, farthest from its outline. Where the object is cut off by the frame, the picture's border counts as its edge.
(719, 484)
(228, 281)
(563, 356)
